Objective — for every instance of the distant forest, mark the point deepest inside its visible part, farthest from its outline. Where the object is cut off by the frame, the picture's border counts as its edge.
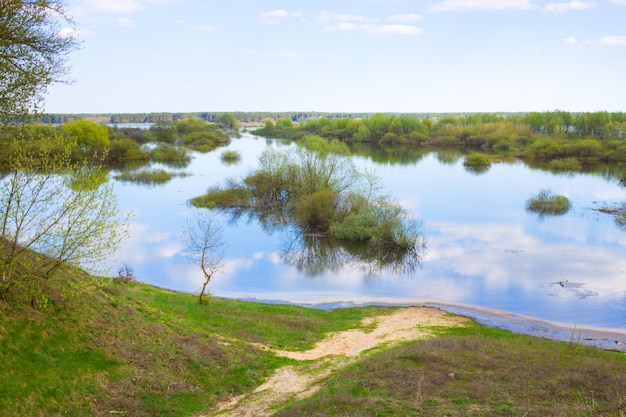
(243, 117)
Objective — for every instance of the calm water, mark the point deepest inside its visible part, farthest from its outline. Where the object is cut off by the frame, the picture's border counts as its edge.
(485, 250)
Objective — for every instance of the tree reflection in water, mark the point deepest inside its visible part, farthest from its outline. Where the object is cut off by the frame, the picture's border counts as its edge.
(315, 254)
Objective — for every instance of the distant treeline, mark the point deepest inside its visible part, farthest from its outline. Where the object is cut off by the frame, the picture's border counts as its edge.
(243, 117)
(568, 141)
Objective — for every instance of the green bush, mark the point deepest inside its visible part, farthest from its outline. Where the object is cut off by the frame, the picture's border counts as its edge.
(589, 149)
(356, 227)
(205, 141)
(543, 149)
(477, 163)
(224, 198)
(169, 153)
(545, 203)
(126, 150)
(155, 176)
(566, 164)
(316, 211)
(231, 156)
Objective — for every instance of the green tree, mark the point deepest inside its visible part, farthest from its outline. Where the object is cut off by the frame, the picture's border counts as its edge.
(228, 120)
(87, 135)
(164, 131)
(57, 207)
(33, 49)
(362, 135)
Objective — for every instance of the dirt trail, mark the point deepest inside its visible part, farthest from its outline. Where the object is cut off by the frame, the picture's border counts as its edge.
(335, 352)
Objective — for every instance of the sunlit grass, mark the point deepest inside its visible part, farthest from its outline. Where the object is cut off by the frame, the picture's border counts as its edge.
(149, 176)
(546, 203)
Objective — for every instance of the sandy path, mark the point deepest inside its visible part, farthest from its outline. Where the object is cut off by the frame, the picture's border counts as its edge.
(336, 351)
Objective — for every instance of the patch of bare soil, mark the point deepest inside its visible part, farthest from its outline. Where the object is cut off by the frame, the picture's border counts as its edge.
(335, 352)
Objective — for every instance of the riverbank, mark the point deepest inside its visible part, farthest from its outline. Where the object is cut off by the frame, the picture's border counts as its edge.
(132, 349)
(607, 339)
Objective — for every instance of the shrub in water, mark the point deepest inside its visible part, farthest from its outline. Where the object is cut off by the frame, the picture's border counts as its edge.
(231, 156)
(477, 163)
(546, 203)
(566, 164)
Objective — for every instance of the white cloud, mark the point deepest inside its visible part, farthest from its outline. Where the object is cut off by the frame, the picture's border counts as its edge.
(613, 40)
(205, 28)
(377, 29)
(572, 5)
(480, 5)
(124, 22)
(67, 32)
(405, 18)
(570, 40)
(326, 17)
(618, 1)
(276, 17)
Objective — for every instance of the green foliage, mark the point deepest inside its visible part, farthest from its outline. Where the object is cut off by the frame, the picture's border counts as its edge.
(59, 208)
(170, 154)
(126, 150)
(32, 54)
(233, 196)
(193, 124)
(228, 120)
(205, 141)
(231, 156)
(565, 164)
(164, 131)
(319, 189)
(546, 203)
(362, 134)
(87, 135)
(316, 211)
(147, 176)
(477, 162)
(543, 149)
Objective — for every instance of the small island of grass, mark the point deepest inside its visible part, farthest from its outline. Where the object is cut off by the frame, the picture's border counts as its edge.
(477, 163)
(546, 203)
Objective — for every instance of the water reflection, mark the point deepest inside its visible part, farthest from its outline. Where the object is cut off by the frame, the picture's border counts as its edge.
(314, 255)
(484, 249)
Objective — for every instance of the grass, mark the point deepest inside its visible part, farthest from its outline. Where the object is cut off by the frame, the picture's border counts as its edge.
(565, 165)
(231, 157)
(149, 176)
(546, 203)
(475, 371)
(477, 163)
(120, 347)
(169, 154)
(146, 351)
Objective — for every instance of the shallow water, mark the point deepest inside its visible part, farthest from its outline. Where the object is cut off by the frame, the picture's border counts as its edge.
(485, 250)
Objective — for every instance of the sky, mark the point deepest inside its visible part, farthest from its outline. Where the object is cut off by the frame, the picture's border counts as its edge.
(345, 56)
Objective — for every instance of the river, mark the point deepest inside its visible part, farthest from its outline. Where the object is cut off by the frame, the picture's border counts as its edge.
(487, 256)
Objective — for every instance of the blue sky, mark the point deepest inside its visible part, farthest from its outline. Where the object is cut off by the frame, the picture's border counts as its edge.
(346, 56)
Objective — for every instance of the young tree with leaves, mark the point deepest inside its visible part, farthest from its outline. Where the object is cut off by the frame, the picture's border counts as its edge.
(56, 207)
(35, 39)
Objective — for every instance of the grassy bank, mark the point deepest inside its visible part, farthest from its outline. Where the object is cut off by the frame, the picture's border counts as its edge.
(145, 351)
(134, 350)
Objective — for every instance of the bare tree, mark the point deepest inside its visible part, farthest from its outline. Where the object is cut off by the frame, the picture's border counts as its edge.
(204, 245)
